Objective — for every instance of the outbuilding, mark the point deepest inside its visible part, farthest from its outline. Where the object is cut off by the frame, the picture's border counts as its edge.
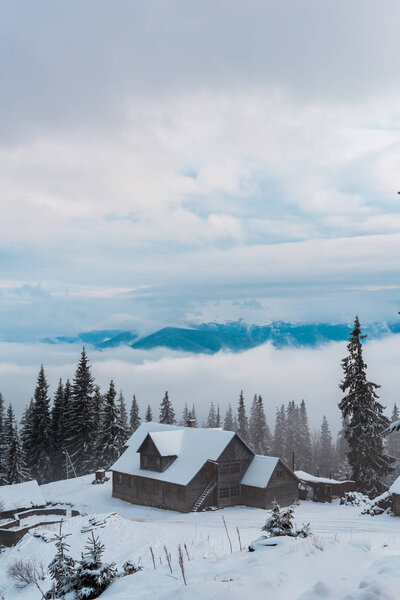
(322, 489)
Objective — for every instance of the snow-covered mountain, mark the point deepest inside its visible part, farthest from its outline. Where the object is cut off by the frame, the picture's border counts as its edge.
(235, 336)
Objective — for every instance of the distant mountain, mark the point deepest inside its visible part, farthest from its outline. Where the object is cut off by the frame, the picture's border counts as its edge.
(209, 338)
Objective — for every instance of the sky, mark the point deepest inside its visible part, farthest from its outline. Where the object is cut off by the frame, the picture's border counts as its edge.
(167, 163)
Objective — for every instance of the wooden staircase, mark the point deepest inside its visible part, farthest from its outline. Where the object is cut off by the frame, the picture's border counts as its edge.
(211, 486)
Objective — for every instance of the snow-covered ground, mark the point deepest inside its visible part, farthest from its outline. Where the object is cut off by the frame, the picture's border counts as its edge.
(349, 556)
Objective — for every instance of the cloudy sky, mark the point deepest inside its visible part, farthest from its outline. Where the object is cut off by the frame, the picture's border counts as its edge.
(169, 162)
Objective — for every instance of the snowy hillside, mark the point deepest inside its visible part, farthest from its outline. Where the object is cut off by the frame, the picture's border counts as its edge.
(349, 556)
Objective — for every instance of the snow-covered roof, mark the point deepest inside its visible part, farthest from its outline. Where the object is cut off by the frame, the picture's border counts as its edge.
(197, 445)
(260, 471)
(395, 487)
(21, 495)
(168, 443)
(313, 479)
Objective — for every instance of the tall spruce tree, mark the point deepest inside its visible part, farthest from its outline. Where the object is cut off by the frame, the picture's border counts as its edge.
(228, 421)
(185, 415)
(82, 441)
(123, 420)
(325, 450)
(167, 413)
(243, 422)
(27, 436)
(3, 447)
(134, 418)
(58, 432)
(112, 437)
(393, 440)
(218, 417)
(292, 427)
(15, 464)
(304, 453)
(212, 417)
(365, 420)
(149, 414)
(41, 444)
(259, 431)
(279, 440)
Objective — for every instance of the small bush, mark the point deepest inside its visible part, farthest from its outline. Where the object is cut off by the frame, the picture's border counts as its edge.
(23, 572)
(354, 499)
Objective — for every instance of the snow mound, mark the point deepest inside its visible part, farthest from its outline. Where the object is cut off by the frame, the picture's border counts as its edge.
(21, 495)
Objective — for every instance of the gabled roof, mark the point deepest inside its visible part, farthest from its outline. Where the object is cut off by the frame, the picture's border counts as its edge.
(197, 445)
(260, 471)
(21, 495)
(168, 443)
(394, 488)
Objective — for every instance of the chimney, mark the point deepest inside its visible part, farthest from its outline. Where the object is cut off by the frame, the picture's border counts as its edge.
(190, 422)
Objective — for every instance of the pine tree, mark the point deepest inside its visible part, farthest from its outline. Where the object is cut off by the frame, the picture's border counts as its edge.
(211, 419)
(218, 417)
(393, 441)
(3, 446)
(185, 416)
(149, 414)
(228, 421)
(15, 465)
(365, 420)
(111, 440)
(27, 436)
(292, 427)
(58, 433)
(134, 418)
(279, 441)
(41, 444)
(97, 410)
(167, 414)
(280, 522)
(82, 441)
(243, 423)
(92, 576)
(326, 450)
(62, 567)
(123, 420)
(69, 425)
(304, 451)
(259, 431)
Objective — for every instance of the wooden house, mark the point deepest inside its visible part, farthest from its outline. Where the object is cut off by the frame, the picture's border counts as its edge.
(322, 489)
(187, 469)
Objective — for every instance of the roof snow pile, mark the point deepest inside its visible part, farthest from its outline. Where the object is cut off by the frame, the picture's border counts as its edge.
(313, 479)
(193, 447)
(21, 495)
(260, 471)
(395, 487)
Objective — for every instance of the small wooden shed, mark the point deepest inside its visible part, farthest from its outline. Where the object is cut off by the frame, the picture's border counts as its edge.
(322, 489)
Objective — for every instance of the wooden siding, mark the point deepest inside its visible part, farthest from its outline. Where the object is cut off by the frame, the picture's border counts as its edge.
(232, 465)
(396, 504)
(150, 492)
(282, 487)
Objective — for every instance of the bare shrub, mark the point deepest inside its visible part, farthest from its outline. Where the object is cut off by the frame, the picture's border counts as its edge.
(24, 572)
(317, 542)
(181, 563)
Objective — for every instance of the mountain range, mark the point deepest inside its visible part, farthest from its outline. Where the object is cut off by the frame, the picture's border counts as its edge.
(209, 338)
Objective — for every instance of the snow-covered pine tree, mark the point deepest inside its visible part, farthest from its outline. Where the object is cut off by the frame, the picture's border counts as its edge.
(58, 433)
(228, 421)
(185, 415)
(218, 417)
(279, 440)
(134, 418)
(280, 522)
(26, 435)
(243, 422)
(97, 410)
(393, 440)
(259, 431)
(365, 421)
(292, 427)
(14, 460)
(82, 440)
(149, 414)
(62, 568)
(3, 447)
(325, 450)
(112, 435)
(123, 420)
(41, 445)
(92, 576)
(68, 414)
(211, 418)
(167, 413)
(304, 452)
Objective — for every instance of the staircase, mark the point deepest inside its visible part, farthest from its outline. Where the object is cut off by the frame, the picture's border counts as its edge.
(203, 496)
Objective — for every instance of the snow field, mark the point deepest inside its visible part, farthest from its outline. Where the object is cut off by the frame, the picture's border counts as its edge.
(349, 557)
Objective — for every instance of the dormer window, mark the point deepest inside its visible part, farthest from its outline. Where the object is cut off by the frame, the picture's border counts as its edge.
(153, 463)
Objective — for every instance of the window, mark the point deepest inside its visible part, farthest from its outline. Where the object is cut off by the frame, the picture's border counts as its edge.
(225, 468)
(235, 490)
(280, 473)
(224, 492)
(151, 462)
(235, 467)
(119, 477)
